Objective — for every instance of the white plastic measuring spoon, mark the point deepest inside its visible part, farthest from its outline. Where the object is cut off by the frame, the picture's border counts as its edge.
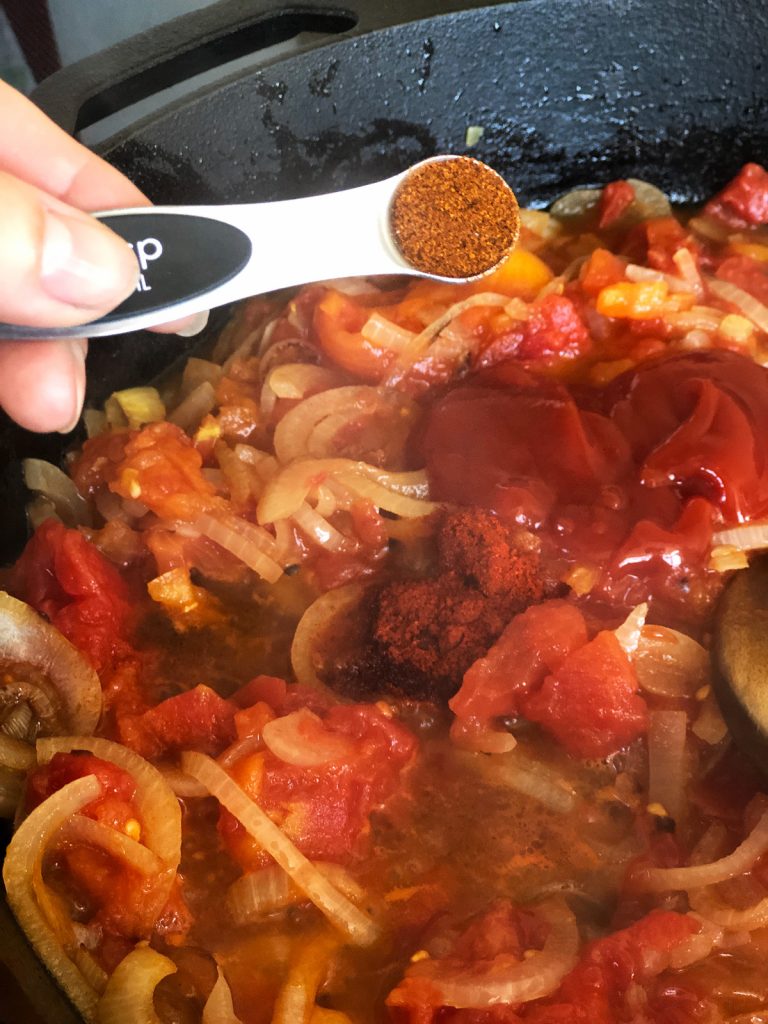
(193, 258)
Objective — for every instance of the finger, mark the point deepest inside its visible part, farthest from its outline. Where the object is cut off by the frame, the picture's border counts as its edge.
(36, 150)
(42, 383)
(186, 328)
(58, 266)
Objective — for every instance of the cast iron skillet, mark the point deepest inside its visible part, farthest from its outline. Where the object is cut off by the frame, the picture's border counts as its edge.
(316, 96)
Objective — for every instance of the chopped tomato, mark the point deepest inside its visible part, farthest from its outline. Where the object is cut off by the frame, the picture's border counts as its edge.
(749, 274)
(595, 990)
(663, 237)
(590, 702)
(744, 201)
(337, 322)
(196, 720)
(601, 269)
(616, 198)
(324, 809)
(533, 645)
(64, 577)
(163, 469)
(554, 330)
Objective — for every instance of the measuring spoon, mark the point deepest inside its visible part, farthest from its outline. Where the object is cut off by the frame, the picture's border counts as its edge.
(193, 258)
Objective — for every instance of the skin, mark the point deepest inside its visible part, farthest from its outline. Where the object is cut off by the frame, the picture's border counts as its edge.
(58, 266)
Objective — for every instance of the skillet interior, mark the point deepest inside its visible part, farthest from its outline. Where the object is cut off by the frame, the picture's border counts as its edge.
(568, 93)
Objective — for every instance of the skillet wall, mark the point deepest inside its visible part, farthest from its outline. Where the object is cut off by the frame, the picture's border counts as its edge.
(569, 92)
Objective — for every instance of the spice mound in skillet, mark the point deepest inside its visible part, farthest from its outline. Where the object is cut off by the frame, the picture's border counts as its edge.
(454, 218)
(361, 676)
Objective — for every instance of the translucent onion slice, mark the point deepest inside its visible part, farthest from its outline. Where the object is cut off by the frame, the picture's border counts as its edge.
(385, 334)
(710, 725)
(285, 493)
(22, 862)
(400, 504)
(129, 997)
(747, 304)
(420, 343)
(669, 663)
(298, 434)
(339, 910)
(300, 738)
(667, 769)
(72, 686)
(80, 829)
(505, 979)
(316, 621)
(745, 537)
(156, 804)
(698, 946)
(53, 483)
(318, 529)
(183, 785)
(707, 903)
(15, 754)
(263, 892)
(11, 788)
(219, 1008)
(190, 412)
(295, 380)
(698, 876)
(248, 549)
(295, 1003)
(533, 780)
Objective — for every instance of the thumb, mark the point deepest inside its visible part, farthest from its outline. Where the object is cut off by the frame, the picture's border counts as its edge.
(58, 266)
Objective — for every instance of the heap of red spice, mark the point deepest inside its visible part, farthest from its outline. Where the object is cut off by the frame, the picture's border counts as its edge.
(431, 630)
(454, 217)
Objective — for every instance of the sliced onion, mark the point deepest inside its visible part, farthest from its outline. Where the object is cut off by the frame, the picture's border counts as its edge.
(710, 725)
(290, 488)
(219, 1008)
(129, 997)
(747, 304)
(295, 380)
(686, 264)
(340, 911)
(576, 204)
(71, 685)
(247, 546)
(629, 632)
(299, 433)
(11, 789)
(744, 537)
(181, 784)
(53, 484)
(709, 905)
(295, 1003)
(699, 875)
(667, 775)
(22, 862)
(300, 738)
(505, 979)
(399, 504)
(189, 413)
(15, 754)
(669, 663)
(420, 343)
(529, 778)
(158, 809)
(480, 738)
(199, 371)
(80, 829)
(263, 892)
(318, 529)
(317, 619)
(384, 334)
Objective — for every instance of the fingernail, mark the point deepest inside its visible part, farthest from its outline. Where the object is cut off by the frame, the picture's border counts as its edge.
(77, 348)
(84, 264)
(195, 325)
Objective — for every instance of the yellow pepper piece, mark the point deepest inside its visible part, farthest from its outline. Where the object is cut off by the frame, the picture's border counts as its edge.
(641, 300)
(521, 274)
(187, 606)
(751, 249)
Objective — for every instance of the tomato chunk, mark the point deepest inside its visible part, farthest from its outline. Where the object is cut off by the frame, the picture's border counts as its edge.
(744, 201)
(590, 704)
(196, 720)
(64, 577)
(617, 196)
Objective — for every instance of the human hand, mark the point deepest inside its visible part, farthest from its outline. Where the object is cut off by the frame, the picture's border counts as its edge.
(58, 266)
